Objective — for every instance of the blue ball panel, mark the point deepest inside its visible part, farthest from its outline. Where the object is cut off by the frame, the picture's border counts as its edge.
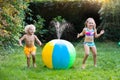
(60, 57)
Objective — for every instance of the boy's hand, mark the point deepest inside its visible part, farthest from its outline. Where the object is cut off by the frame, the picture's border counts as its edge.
(21, 45)
(78, 36)
(41, 44)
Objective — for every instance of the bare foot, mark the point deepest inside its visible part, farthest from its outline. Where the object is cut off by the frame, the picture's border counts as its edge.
(95, 65)
(34, 65)
(83, 66)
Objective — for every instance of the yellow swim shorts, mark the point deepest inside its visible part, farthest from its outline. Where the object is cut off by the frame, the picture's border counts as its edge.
(29, 50)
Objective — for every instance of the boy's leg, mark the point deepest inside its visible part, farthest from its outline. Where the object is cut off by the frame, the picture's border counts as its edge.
(34, 59)
(27, 53)
(94, 52)
(87, 49)
(28, 61)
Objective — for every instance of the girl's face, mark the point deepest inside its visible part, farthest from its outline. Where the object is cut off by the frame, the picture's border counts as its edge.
(31, 30)
(90, 24)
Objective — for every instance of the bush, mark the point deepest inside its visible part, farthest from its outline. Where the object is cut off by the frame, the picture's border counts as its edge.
(40, 30)
(110, 16)
(11, 23)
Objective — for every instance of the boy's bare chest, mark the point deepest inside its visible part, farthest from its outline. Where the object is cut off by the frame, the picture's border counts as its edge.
(30, 38)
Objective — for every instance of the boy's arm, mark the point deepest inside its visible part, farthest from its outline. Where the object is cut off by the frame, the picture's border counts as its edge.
(81, 34)
(98, 35)
(20, 40)
(38, 41)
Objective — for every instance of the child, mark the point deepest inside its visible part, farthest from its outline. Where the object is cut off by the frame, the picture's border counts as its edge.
(90, 32)
(30, 48)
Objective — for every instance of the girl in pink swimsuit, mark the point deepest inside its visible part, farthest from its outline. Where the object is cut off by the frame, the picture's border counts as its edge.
(90, 32)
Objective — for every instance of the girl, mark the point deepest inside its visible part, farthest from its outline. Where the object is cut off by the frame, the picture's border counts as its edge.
(90, 32)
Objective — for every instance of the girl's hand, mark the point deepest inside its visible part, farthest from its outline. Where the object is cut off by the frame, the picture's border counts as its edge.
(102, 32)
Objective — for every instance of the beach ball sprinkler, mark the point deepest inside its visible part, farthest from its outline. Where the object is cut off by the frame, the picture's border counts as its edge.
(58, 53)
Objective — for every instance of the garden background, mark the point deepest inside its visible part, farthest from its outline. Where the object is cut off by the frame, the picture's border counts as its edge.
(15, 14)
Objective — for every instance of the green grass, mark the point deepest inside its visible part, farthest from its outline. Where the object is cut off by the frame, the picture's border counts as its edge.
(13, 66)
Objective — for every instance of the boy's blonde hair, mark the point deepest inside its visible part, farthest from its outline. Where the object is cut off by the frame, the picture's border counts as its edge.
(28, 26)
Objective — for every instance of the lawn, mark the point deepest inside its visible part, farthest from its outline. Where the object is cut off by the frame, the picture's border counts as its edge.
(13, 65)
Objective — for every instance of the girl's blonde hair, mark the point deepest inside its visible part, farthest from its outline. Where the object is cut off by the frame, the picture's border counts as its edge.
(28, 26)
(88, 19)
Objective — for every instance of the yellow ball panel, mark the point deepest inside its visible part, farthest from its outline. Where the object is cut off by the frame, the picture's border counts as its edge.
(47, 54)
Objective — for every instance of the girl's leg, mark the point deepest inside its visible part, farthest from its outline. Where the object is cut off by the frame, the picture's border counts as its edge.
(28, 61)
(94, 52)
(87, 49)
(34, 59)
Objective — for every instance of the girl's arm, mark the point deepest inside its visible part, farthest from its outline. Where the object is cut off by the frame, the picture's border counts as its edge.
(38, 41)
(21, 39)
(98, 35)
(81, 34)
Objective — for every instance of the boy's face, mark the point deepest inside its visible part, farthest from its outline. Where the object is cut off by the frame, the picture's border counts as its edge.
(31, 30)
